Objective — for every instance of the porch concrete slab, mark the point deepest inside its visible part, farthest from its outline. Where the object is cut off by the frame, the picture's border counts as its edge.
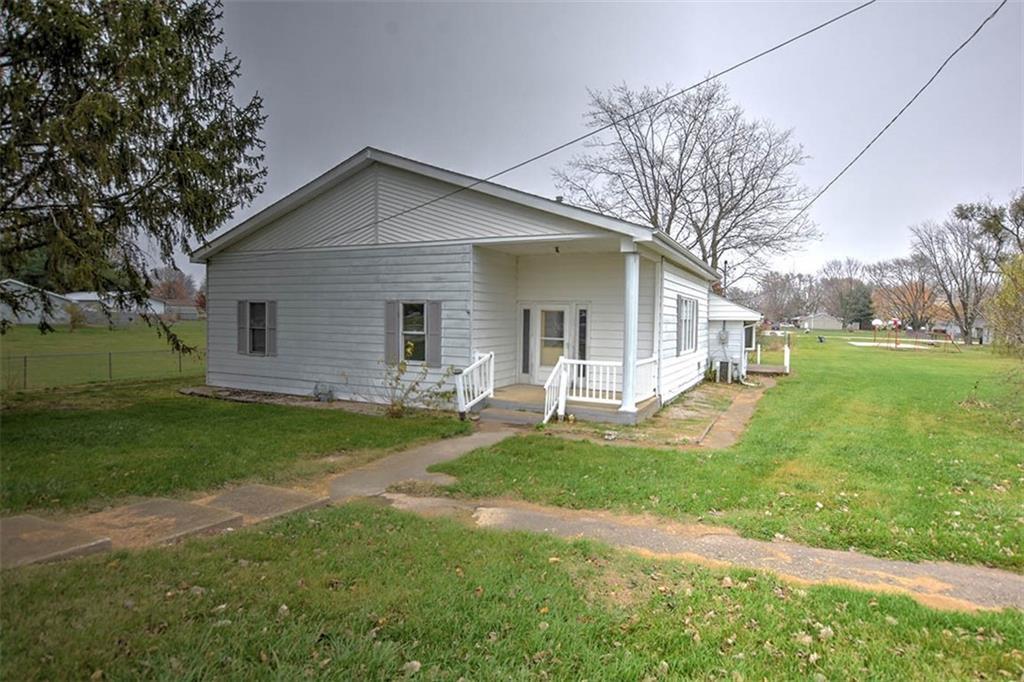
(261, 502)
(409, 465)
(157, 521)
(29, 539)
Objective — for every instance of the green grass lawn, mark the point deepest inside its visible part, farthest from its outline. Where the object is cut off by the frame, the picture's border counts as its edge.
(70, 447)
(30, 360)
(914, 455)
(362, 592)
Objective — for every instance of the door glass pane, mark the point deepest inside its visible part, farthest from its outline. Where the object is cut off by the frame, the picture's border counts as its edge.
(554, 324)
(581, 335)
(550, 351)
(526, 341)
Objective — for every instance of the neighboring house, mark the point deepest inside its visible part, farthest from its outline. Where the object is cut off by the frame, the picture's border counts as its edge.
(981, 333)
(33, 311)
(819, 320)
(732, 333)
(182, 309)
(330, 285)
(92, 303)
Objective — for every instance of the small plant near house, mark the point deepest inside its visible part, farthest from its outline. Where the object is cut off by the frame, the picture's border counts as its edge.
(406, 387)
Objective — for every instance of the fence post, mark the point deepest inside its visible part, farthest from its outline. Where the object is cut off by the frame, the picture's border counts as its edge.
(110, 366)
(24, 372)
(785, 353)
(759, 354)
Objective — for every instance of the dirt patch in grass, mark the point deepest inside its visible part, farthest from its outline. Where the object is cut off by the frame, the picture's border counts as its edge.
(680, 424)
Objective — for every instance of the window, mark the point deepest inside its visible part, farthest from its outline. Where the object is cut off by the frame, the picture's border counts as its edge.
(414, 332)
(552, 336)
(748, 337)
(686, 324)
(581, 334)
(257, 328)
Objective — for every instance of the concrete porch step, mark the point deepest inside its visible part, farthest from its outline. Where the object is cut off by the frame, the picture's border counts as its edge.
(502, 415)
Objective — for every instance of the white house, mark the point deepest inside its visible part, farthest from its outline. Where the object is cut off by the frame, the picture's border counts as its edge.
(32, 312)
(820, 320)
(330, 285)
(93, 301)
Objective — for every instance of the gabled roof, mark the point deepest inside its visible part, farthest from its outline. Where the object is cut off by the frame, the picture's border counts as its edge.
(17, 282)
(721, 308)
(368, 156)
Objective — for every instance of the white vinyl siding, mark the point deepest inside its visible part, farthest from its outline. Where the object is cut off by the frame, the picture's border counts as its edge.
(680, 372)
(331, 314)
(495, 325)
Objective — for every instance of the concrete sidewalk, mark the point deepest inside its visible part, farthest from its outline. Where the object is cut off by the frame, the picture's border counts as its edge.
(935, 584)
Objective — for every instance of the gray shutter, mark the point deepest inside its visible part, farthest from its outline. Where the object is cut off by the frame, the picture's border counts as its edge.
(679, 325)
(271, 327)
(433, 309)
(391, 341)
(243, 327)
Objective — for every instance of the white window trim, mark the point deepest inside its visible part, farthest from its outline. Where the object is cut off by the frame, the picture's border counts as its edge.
(249, 327)
(401, 332)
(688, 328)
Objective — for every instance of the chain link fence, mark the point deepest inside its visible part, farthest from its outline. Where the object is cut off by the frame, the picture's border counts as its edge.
(21, 372)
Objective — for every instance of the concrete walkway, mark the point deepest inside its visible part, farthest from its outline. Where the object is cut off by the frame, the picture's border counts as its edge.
(411, 465)
(936, 584)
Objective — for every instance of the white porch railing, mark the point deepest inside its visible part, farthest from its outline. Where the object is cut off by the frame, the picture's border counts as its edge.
(554, 392)
(594, 381)
(475, 383)
(646, 378)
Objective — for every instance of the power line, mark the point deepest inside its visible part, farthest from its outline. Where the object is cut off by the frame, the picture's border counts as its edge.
(627, 117)
(898, 114)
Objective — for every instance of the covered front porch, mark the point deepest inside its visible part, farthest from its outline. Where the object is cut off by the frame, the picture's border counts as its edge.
(564, 327)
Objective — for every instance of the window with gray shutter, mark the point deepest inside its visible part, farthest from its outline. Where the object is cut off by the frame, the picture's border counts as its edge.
(679, 325)
(257, 327)
(686, 324)
(413, 332)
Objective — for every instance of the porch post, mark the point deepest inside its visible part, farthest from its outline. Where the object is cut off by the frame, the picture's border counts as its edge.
(631, 320)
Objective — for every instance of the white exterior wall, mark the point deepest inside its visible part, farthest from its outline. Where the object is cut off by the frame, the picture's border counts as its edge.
(330, 314)
(494, 311)
(732, 349)
(681, 372)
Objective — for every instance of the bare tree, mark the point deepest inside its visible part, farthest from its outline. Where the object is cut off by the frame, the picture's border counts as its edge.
(171, 284)
(841, 288)
(1004, 224)
(695, 167)
(783, 296)
(904, 289)
(961, 260)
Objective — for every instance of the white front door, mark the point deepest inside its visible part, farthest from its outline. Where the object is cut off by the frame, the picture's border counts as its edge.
(548, 331)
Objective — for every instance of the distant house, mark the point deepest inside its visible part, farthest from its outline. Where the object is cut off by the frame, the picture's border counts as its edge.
(92, 303)
(33, 312)
(819, 320)
(182, 309)
(980, 334)
(337, 282)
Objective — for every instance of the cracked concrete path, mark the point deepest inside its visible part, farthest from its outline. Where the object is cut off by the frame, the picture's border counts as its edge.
(936, 584)
(411, 465)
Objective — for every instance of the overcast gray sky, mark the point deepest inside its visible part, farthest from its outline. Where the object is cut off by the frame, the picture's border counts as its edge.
(478, 87)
